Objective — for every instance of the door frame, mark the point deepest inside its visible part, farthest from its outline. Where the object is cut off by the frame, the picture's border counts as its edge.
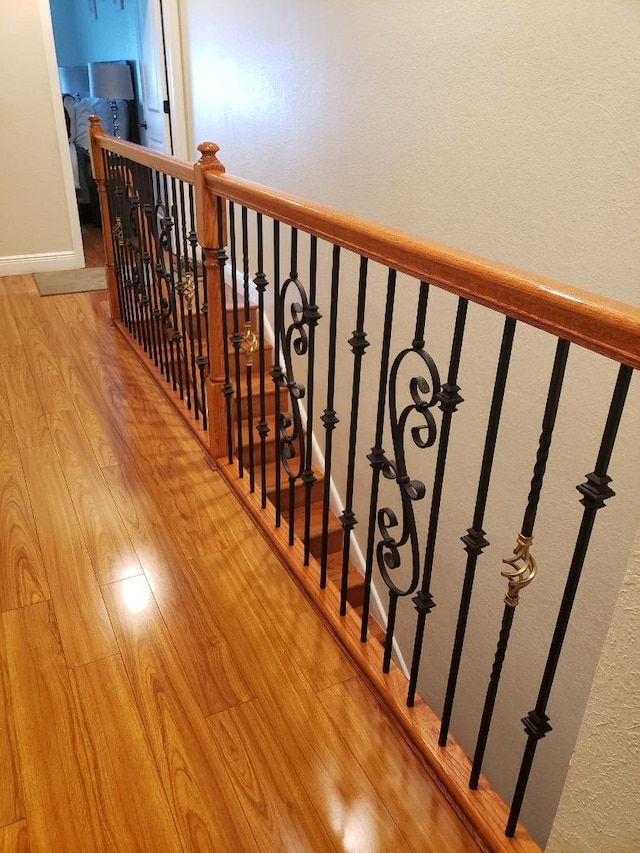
(169, 12)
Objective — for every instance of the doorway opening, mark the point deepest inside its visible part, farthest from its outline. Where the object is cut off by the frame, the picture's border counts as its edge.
(143, 36)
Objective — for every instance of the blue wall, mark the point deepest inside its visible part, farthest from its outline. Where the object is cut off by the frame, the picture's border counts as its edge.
(80, 38)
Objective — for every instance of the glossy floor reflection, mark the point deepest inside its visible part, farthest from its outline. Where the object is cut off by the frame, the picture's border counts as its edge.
(163, 684)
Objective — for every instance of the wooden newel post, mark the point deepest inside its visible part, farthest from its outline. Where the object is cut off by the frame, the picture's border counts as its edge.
(97, 169)
(212, 236)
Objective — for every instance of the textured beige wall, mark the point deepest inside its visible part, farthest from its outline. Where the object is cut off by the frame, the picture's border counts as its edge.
(34, 214)
(507, 129)
(600, 811)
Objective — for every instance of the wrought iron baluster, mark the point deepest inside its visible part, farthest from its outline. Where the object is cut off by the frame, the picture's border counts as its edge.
(127, 221)
(523, 565)
(227, 388)
(449, 399)
(277, 373)
(312, 316)
(594, 494)
(198, 358)
(295, 340)
(358, 343)
(474, 540)
(146, 213)
(160, 243)
(236, 337)
(169, 305)
(329, 418)
(248, 345)
(388, 550)
(376, 456)
(117, 235)
(262, 427)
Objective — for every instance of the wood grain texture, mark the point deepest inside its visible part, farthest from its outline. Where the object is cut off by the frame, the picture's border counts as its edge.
(373, 740)
(213, 670)
(128, 807)
(15, 838)
(202, 798)
(450, 766)
(112, 554)
(321, 663)
(28, 416)
(180, 169)
(55, 791)
(52, 391)
(313, 750)
(280, 811)
(84, 625)
(602, 325)
(11, 801)
(22, 576)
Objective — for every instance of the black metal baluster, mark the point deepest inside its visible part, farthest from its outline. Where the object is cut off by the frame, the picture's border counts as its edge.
(156, 243)
(594, 494)
(236, 337)
(146, 211)
(329, 417)
(376, 457)
(358, 343)
(388, 550)
(139, 280)
(249, 346)
(262, 427)
(449, 400)
(183, 283)
(164, 243)
(127, 204)
(177, 272)
(200, 359)
(523, 564)
(475, 540)
(312, 317)
(276, 370)
(296, 390)
(117, 235)
(169, 308)
(227, 388)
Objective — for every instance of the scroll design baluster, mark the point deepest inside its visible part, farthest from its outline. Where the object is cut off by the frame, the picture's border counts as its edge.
(388, 549)
(295, 341)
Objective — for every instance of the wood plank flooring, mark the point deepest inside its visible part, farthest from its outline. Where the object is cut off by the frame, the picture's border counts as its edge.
(164, 685)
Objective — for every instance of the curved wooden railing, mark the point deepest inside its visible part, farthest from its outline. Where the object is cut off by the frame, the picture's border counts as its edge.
(238, 437)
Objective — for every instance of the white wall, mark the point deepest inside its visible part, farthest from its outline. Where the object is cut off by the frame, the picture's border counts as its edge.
(506, 129)
(37, 230)
(597, 814)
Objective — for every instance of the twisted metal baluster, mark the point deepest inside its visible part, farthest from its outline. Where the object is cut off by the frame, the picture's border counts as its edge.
(594, 494)
(523, 565)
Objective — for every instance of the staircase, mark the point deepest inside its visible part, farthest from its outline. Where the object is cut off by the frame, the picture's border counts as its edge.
(355, 587)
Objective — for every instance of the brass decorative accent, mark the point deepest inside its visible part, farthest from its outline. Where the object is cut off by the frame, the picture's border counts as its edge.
(118, 231)
(249, 343)
(524, 570)
(189, 290)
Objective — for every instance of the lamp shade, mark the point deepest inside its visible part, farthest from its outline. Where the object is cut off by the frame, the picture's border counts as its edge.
(74, 80)
(111, 80)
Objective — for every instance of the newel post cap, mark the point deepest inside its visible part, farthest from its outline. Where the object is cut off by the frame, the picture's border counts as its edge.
(208, 160)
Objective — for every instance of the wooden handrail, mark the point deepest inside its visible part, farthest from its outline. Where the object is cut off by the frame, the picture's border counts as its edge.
(603, 325)
(172, 166)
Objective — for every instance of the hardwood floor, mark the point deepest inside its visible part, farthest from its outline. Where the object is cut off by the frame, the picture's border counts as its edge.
(164, 685)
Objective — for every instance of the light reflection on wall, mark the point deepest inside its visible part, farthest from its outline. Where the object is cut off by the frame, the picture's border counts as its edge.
(224, 85)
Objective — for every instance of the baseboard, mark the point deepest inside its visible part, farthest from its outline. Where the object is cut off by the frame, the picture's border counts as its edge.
(43, 262)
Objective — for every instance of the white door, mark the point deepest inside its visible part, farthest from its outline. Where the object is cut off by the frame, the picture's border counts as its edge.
(155, 124)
